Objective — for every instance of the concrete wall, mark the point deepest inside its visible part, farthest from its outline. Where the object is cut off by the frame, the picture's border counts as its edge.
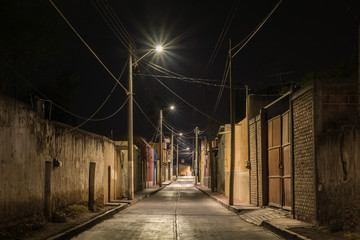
(338, 167)
(27, 142)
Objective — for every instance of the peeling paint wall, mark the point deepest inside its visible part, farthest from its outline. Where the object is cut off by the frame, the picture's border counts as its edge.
(27, 142)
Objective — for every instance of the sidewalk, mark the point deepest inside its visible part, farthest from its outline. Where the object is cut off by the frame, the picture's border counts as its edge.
(77, 224)
(277, 220)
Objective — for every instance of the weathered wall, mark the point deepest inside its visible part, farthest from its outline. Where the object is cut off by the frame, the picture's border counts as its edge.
(184, 170)
(221, 165)
(241, 173)
(304, 159)
(338, 165)
(337, 97)
(27, 142)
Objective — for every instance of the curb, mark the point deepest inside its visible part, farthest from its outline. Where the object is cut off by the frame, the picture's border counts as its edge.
(88, 224)
(92, 222)
(283, 232)
(230, 208)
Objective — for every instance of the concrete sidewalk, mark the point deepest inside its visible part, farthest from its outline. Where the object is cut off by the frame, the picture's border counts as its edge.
(276, 220)
(81, 223)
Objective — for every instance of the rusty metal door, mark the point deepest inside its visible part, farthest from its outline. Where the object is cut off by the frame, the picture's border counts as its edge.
(279, 164)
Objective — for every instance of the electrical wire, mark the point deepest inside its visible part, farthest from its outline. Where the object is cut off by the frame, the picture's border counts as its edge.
(198, 110)
(88, 47)
(117, 20)
(255, 31)
(145, 115)
(57, 105)
(81, 124)
(223, 33)
(124, 39)
(225, 74)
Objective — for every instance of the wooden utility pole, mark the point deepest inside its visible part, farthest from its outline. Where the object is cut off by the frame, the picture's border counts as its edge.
(232, 119)
(196, 155)
(130, 131)
(161, 151)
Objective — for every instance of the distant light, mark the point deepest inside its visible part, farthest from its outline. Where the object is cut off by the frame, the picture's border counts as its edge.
(159, 48)
(172, 107)
(187, 148)
(180, 134)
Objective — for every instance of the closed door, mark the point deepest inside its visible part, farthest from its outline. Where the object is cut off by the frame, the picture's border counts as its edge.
(279, 164)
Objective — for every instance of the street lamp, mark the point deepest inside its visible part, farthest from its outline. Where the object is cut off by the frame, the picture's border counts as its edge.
(159, 48)
(161, 143)
(177, 156)
(130, 122)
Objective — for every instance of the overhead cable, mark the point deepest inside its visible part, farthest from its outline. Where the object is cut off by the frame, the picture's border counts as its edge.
(223, 33)
(189, 104)
(145, 115)
(255, 31)
(83, 41)
(76, 127)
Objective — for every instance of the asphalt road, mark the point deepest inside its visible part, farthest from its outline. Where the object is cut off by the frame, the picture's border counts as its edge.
(179, 211)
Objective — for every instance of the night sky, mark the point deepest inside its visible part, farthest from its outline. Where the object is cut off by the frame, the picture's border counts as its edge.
(300, 37)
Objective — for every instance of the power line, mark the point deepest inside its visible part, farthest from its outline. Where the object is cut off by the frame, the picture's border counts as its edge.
(76, 127)
(117, 20)
(181, 97)
(145, 115)
(88, 47)
(57, 105)
(254, 31)
(224, 30)
(110, 24)
(225, 74)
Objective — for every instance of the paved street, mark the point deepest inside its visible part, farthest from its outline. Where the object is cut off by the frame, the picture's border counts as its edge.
(179, 211)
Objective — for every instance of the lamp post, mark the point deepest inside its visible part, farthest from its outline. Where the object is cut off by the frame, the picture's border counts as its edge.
(161, 145)
(177, 157)
(130, 120)
(196, 154)
(161, 151)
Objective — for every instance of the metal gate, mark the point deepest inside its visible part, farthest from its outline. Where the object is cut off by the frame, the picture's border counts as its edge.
(279, 163)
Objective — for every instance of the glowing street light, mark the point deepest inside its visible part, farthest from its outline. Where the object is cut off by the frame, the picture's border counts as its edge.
(161, 148)
(130, 120)
(159, 48)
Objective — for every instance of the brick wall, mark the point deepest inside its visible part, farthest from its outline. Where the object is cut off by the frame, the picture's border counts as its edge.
(253, 163)
(259, 162)
(304, 166)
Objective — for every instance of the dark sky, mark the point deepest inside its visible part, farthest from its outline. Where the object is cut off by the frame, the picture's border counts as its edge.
(300, 37)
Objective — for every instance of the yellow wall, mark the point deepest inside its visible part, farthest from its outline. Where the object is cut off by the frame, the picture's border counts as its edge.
(184, 170)
(202, 162)
(241, 176)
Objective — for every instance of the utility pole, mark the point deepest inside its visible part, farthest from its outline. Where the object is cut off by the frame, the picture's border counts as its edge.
(177, 158)
(196, 155)
(359, 73)
(161, 150)
(171, 156)
(232, 119)
(130, 131)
